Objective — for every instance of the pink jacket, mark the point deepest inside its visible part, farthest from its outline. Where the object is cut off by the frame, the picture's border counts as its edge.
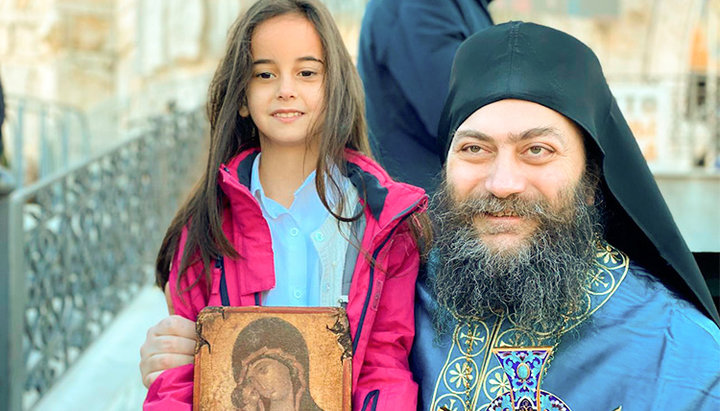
(380, 300)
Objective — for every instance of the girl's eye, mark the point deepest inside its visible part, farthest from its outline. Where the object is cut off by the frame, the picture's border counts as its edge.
(307, 73)
(264, 75)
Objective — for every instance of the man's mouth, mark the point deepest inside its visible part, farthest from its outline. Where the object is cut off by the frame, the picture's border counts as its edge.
(506, 213)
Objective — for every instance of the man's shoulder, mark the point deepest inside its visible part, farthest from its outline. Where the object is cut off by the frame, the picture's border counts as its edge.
(644, 299)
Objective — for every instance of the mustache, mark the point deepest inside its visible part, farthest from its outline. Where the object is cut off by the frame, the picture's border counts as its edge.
(481, 205)
(512, 205)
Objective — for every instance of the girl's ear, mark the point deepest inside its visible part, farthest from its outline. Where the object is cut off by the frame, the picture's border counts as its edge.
(244, 112)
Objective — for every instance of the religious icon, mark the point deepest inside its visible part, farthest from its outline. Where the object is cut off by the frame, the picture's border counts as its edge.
(262, 358)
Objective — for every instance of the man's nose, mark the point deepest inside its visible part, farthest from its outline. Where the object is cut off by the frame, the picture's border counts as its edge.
(286, 88)
(506, 177)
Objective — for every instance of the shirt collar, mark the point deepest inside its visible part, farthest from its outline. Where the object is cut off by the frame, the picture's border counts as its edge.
(306, 192)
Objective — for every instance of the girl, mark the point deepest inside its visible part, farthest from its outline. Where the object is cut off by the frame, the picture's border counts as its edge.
(291, 210)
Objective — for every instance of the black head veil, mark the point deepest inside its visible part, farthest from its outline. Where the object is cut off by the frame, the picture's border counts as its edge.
(535, 63)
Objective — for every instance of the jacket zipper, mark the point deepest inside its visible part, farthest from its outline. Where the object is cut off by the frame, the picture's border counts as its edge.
(368, 296)
(371, 397)
(219, 263)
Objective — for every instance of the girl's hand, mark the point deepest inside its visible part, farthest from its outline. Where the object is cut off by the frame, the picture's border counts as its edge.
(169, 343)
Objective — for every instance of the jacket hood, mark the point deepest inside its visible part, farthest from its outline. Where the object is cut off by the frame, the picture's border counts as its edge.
(530, 62)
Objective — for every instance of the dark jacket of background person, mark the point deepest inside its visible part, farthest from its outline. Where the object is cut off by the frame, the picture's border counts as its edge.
(406, 51)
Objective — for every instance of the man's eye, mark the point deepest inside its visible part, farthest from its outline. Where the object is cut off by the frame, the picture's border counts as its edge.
(473, 149)
(537, 150)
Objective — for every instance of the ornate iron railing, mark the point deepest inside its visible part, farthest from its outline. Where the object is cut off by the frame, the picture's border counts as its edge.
(76, 247)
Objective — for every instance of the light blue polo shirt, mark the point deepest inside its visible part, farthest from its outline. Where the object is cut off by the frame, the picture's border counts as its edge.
(300, 234)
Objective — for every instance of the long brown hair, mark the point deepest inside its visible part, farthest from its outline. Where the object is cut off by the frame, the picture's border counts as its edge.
(343, 125)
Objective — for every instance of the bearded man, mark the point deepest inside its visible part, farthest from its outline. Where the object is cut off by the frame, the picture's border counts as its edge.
(558, 279)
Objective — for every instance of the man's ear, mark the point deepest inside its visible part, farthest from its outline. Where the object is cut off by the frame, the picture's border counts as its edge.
(244, 112)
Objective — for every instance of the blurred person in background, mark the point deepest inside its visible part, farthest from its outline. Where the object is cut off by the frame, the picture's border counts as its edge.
(404, 58)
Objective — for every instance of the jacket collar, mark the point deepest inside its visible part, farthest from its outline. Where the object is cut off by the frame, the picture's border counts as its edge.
(386, 199)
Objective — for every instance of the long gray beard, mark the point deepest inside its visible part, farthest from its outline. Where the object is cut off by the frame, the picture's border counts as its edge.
(537, 284)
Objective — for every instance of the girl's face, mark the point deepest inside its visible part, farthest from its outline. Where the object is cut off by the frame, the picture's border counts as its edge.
(285, 93)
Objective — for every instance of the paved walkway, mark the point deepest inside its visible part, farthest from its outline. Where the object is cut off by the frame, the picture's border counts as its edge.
(107, 376)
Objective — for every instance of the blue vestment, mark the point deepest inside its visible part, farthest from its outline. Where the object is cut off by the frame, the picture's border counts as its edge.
(636, 345)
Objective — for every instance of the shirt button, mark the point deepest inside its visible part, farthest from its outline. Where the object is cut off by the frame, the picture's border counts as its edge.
(298, 293)
(319, 236)
(294, 231)
(327, 287)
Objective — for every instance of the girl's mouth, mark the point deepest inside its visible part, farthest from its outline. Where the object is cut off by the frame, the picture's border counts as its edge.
(287, 114)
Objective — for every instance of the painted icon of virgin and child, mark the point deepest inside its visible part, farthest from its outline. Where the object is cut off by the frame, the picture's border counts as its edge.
(271, 368)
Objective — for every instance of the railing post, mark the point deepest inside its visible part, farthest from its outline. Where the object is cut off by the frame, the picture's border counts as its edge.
(64, 140)
(47, 162)
(18, 162)
(12, 376)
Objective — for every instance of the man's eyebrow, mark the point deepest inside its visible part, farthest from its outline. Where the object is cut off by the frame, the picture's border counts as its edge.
(478, 135)
(304, 58)
(538, 132)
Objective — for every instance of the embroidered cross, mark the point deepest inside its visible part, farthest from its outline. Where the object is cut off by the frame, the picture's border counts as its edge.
(472, 337)
(597, 279)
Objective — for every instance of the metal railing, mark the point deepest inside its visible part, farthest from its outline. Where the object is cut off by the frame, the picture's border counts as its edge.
(56, 133)
(76, 247)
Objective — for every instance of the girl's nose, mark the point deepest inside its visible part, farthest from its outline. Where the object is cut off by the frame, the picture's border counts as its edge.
(506, 177)
(286, 88)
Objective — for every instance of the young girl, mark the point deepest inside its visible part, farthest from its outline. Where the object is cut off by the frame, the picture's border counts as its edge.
(291, 211)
